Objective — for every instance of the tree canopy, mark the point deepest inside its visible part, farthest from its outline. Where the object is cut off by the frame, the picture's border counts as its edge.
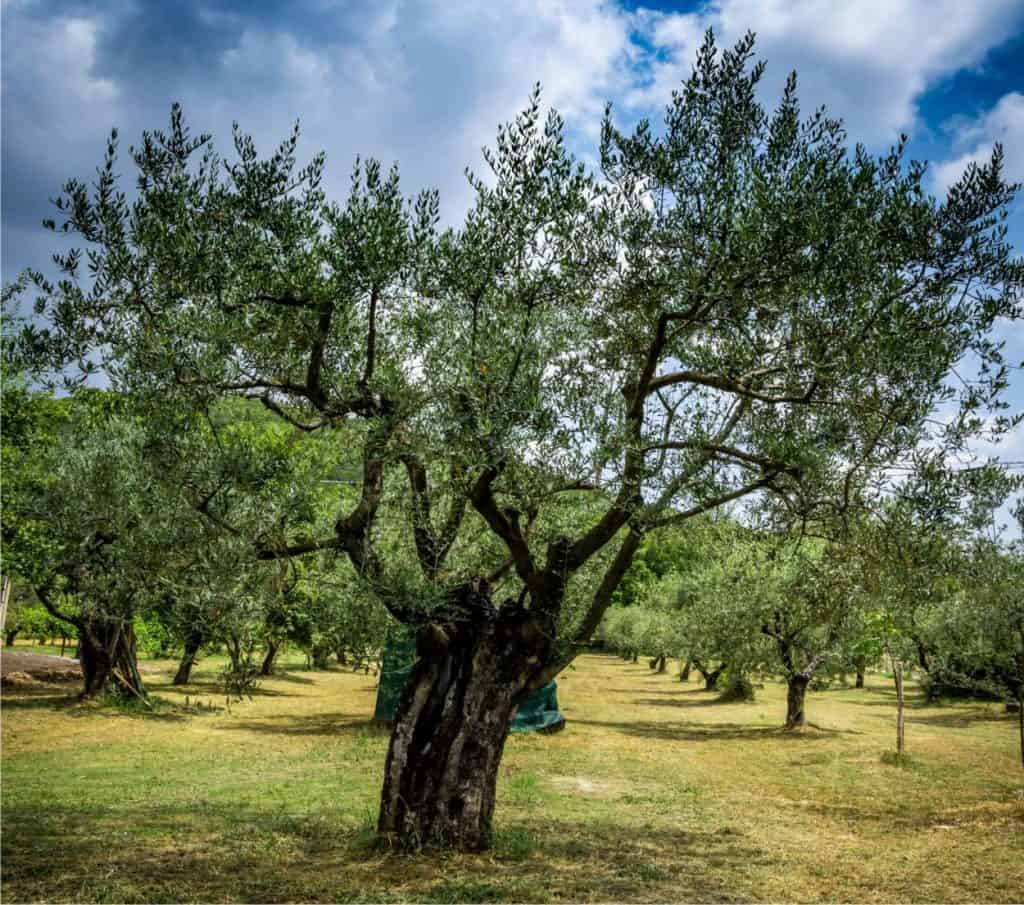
(735, 302)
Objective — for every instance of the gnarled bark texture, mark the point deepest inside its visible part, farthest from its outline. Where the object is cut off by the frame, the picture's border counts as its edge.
(188, 658)
(796, 691)
(267, 666)
(450, 729)
(109, 659)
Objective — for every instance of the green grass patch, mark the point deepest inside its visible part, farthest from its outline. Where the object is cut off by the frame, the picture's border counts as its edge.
(652, 793)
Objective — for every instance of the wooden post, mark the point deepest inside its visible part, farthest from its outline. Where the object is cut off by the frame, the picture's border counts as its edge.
(5, 595)
(897, 667)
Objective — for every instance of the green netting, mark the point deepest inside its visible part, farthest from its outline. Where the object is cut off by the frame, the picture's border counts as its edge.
(396, 664)
(539, 713)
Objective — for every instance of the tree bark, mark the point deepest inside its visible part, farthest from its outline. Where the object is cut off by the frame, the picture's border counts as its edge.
(9, 637)
(860, 665)
(450, 730)
(192, 644)
(796, 691)
(267, 667)
(684, 672)
(710, 674)
(109, 659)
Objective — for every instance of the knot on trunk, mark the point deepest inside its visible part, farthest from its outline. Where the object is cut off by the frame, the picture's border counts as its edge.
(432, 641)
(472, 600)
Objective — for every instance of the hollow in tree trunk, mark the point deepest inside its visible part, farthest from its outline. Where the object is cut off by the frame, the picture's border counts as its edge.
(188, 659)
(450, 730)
(267, 667)
(795, 693)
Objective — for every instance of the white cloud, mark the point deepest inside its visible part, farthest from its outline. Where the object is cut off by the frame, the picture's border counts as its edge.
(867, 61)
(425, 84)
(975, 139)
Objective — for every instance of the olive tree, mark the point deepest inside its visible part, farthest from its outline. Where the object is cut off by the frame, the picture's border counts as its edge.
(728, 304)
(107, 532)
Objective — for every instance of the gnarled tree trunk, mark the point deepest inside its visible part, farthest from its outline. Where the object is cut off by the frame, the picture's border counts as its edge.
(188, 658)
(109, 659)
(796, 691)
(267, 667)
(450, 730)
(710, 674)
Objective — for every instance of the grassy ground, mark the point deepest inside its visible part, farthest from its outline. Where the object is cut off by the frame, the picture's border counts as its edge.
(654, 792)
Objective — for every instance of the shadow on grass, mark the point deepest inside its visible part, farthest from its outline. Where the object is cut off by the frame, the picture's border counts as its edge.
(235, 852)
(159, 709)
(701, 732)
(961, 719)
(337, 723)
(44, 697)
(216, 690)
(291, 676)
(688, 698)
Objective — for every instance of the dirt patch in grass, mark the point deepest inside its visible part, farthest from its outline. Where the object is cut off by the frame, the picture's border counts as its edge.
(23, 667)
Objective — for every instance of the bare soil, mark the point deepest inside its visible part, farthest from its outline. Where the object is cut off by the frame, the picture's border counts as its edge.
(21, 667)
(17, 665)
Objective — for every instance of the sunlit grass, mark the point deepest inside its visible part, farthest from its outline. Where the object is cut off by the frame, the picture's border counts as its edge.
(653, 792)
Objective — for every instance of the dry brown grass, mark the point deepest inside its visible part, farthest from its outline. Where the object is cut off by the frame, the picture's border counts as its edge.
(655, 792)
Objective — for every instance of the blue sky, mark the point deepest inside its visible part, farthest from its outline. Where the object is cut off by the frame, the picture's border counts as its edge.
(426, 83)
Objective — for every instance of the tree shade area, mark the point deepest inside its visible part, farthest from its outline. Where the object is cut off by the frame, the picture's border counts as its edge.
(706, 404)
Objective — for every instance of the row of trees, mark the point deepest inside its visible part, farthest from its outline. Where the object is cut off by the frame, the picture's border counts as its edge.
(894, 591)
(120, 531)
(735, 304)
